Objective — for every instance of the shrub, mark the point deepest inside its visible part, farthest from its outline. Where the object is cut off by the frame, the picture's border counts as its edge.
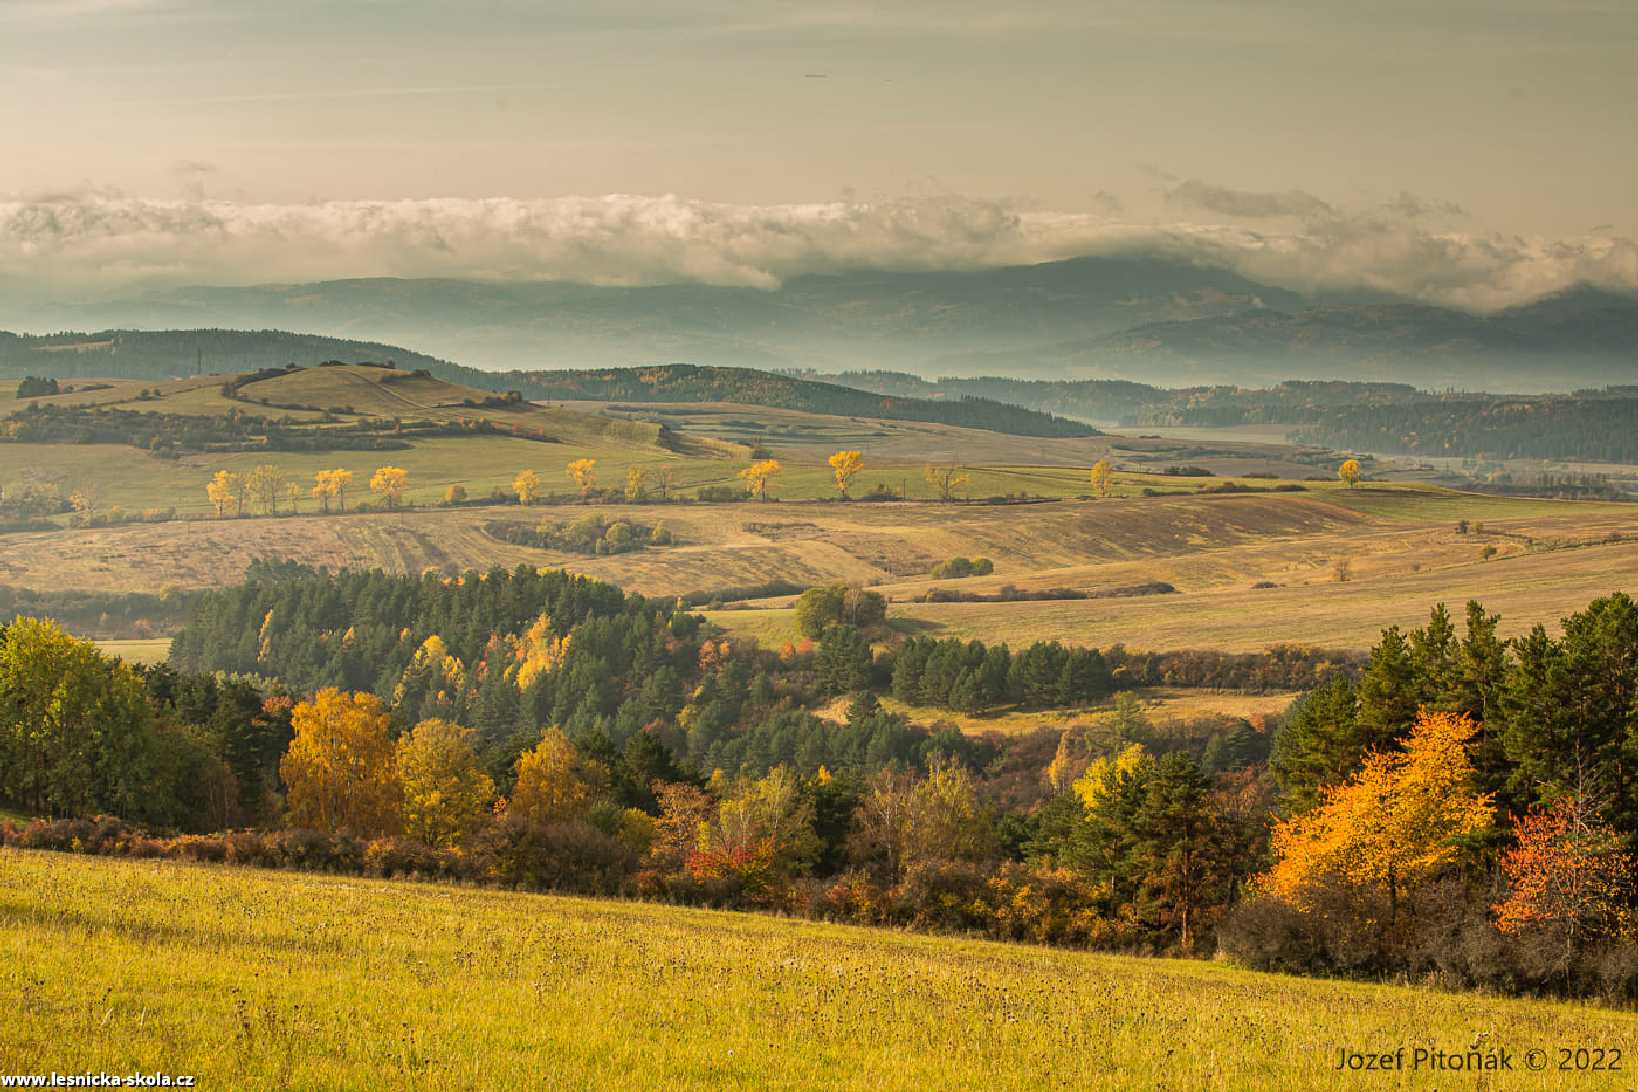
(211, 848)
(958, 568)
(388, 856)
(1043, 906)
(571, 856)
(942, 896)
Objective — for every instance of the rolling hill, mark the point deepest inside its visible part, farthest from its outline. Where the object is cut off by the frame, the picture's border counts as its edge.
(178, 355)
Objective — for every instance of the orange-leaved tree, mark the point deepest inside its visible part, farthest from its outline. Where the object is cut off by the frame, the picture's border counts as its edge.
(1392, 825)
(1348, 472)
(339, 772)
(1567, 872)
(844, 465)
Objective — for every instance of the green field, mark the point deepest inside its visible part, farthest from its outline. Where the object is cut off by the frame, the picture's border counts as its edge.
(286, 980)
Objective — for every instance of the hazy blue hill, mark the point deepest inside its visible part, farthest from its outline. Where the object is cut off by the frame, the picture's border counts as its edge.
(1133, 318)
(1581, 337)
(855, 319)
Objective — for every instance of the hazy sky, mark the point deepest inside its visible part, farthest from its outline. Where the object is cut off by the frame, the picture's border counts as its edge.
(387, 137)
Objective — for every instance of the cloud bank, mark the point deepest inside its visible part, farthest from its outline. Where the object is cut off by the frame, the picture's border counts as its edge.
(100, 245)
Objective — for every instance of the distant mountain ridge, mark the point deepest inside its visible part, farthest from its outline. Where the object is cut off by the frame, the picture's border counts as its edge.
(1588, 336)
(833, 321)
(1143, 319)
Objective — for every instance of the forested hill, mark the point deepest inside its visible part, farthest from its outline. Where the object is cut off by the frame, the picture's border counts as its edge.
(170, 354)
(696, 383)
(1120, 400)
(175, 354)
(1592, 429)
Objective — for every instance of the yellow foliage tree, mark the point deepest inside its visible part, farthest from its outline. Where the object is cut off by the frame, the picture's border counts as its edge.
(944, 480)
(338, 771)
(527, 486)
(1392, 824)
(1348, 472)
(554, 783)
(264, 483)
(389, 483)
(757, 474)
(446, 794)
(636, 483)
(223, 489)
(455, 494)
(433, 672)
(537, 652)
(844, 465)
(583, 472)
(1105, 774)
(1102, 477)
(332, 483)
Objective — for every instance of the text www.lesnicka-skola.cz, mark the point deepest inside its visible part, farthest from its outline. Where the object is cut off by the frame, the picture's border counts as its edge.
(96, 1080)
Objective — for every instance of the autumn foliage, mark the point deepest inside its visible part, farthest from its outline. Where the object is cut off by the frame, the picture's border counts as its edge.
(757, 474)
(339, 772)
(1567, 871)
(1392, 824)
(844, 465)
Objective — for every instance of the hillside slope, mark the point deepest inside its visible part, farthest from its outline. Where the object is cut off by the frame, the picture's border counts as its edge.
(694, 383)
(280, 979)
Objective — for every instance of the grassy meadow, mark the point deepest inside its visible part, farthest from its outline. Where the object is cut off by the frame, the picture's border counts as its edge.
(1160, 704)
(290, 980)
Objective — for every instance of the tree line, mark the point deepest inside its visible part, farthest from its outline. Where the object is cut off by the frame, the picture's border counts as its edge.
(1458, 805)
(1594, 429)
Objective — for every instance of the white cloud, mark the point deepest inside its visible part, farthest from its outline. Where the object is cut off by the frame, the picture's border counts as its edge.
(99, 245)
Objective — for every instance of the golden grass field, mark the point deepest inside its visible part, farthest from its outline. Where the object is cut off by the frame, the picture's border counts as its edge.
(143, 650)
(1530, 589)
(1162, 705)
(287, 980)
(1402, 546)
(1399, 540)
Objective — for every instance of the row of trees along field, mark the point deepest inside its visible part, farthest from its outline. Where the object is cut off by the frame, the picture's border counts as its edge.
(266, 485)
(1456, 805)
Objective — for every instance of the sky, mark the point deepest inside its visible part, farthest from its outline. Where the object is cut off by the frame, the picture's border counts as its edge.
(1463, 152)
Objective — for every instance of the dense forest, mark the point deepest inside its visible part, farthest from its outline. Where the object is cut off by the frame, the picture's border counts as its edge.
(1138, 404)
(694, 383)
(1597, 427)
(173, 354)
(1456, 805)
(178, 433)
